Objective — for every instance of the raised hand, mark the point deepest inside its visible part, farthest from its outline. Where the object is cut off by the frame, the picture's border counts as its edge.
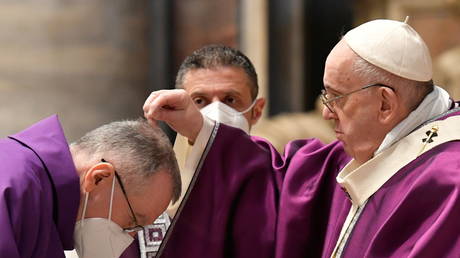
(176, 108)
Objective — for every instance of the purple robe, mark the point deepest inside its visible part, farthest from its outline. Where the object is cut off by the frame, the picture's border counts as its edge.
(250, 201)
(40, 193)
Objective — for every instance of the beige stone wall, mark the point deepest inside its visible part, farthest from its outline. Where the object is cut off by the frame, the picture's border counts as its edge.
(253, 38)
(87, 61)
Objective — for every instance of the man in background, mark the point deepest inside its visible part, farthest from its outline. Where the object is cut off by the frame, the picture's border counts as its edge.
(222, 82)
(220, 74)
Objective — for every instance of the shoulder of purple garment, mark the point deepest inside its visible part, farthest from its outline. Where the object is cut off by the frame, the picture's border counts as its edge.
(47, 140)
(45, 132)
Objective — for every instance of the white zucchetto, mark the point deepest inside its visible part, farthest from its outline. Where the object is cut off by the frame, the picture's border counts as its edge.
(393, 46)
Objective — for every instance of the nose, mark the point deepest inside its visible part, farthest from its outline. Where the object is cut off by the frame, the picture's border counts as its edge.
(327, 114)
(215, 98)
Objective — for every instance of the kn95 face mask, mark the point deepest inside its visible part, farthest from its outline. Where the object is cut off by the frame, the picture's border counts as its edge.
(100, 237)
(223, 113)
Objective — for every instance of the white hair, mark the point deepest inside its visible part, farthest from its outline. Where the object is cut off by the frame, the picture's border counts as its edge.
(413, 91)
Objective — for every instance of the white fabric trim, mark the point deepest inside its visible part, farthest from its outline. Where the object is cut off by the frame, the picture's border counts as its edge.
(71, 254)
(435, 103)
(363, 181)
(340, 241)
(188, 156)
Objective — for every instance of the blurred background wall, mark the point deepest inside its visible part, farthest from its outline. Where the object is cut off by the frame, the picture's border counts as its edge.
(94, 61)
(86, 60)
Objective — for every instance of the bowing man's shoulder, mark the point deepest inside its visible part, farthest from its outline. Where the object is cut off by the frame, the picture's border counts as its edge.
(21, 170)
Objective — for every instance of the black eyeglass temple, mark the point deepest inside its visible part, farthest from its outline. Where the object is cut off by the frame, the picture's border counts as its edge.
(126, 196)
(124, 193)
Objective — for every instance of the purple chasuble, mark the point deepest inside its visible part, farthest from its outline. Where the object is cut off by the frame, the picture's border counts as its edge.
(415, 213)
(250, 201)
(39, 192)
(132, 251)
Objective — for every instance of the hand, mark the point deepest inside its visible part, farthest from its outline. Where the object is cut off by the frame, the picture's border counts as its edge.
(176, 108)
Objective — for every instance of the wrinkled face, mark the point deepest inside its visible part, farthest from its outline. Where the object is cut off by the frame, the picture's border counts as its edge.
(229, 85)
(356, 115)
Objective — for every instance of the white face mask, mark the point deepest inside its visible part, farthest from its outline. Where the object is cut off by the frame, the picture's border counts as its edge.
(222, 113)
(100, 237)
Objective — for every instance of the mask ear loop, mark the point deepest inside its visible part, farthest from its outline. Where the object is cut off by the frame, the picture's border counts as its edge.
(249, 108)
(110, 206)
(111, 198)
(83, 213)
(84, 209)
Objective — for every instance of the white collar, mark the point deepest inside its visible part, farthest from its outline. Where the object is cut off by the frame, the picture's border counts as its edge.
(362, 181)
(435, 103)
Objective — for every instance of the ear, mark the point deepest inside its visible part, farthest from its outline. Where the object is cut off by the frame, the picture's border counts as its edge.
(389, 106)
(97, 173)
(257, 110)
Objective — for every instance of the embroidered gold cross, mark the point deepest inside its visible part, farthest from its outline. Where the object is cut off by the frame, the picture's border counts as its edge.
(433, 132)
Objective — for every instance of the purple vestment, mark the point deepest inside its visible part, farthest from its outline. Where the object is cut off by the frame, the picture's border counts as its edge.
(250, 201)
(40, 193)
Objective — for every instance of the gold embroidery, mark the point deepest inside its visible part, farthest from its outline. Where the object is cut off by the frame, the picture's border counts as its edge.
(433, 132)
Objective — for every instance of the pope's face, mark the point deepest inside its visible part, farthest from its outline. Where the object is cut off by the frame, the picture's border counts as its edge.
(229, 85)
(356, 115)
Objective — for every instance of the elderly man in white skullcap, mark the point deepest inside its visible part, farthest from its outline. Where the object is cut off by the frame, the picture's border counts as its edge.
(388, 187)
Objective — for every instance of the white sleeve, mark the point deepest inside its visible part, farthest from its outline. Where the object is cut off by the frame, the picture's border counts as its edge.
(71, 254)
(188, 156)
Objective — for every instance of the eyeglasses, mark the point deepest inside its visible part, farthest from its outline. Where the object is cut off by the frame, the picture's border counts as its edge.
(328, 102)
(137, 227)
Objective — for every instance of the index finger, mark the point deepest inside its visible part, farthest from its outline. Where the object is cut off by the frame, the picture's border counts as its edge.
(149, 100)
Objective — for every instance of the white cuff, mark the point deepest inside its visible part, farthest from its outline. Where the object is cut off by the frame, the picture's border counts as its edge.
(198, 147)
(188, 156)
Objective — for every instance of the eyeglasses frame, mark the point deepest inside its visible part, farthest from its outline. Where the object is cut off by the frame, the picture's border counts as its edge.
(137, 227)
(326, 101)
